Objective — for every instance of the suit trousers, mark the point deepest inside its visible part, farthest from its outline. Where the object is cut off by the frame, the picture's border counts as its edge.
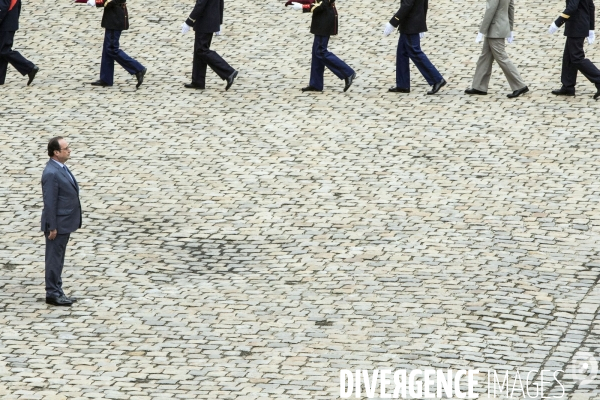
(574, 60)
(409, 48)
(321, 58)
(494, 49)
(55, 261)
(204, 56)
(8, 55)
(111, 53)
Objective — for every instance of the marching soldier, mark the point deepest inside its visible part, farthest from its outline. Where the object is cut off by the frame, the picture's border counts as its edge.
(10, 10)
(579, 21)
(497, 25)
(115, 21)
(206, 18)
(324, 24)
(410, 20)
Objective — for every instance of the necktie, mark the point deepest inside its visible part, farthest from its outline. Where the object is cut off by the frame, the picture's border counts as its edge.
(70, 174)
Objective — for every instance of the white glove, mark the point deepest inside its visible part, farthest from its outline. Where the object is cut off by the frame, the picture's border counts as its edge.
(553, 28)
(421, 35)
(297, 6)
(511, 37)
(91, 3)
(185, 28)
(591, 37)
(388, 29)
(218, 33)
(479, 37)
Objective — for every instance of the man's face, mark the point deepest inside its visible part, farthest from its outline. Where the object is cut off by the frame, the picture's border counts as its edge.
(65, 152)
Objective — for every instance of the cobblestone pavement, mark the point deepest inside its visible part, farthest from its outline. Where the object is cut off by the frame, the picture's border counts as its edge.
(250, 244)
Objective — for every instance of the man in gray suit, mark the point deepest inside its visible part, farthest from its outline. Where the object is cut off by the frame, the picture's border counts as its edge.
(61, 216)
(497, 25)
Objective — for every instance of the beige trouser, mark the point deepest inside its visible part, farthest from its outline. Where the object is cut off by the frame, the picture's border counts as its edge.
(493, 49)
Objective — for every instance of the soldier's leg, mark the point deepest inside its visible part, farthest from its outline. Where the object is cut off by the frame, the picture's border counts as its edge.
(338, 67)
(568, 75)
(513, 77)
(118, 55)
(213, 59)
(425, 67)
(317, 65)
(483, 69)
(402, 64)
(9, 56)
(583, 64)
(107, 65)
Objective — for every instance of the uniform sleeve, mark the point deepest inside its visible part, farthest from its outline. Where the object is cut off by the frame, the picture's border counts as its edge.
(196, 12)
(572, 6)
(319, 6)
(4, 4)
(511, 14)
(405, 8)
(50, 193)
(490, 10)
(592, 16)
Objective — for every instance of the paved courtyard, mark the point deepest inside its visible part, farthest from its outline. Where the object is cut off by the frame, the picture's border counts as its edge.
(250, 244)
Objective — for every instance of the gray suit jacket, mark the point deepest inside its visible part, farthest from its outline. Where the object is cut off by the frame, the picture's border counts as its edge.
(498, 19)
(62, 209)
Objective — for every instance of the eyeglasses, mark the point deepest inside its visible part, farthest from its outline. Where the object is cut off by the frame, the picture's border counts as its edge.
(66, 148)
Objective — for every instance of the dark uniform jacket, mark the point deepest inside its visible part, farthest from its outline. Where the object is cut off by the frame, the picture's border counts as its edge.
(411, 17)
(207, 16)
(115, 15)
(62, 209)
(578, 17)
(324, 18)
(9, 20)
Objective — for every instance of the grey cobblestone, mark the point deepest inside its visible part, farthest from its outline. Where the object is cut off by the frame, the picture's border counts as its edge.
(249, 244)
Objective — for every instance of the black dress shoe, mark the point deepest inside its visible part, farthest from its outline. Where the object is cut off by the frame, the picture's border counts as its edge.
(349, 81)
(398, 90)
(32, 74)
(140, 77)
(518, 92)
(100, 82)
(597, 95)
(310, 89)
(71, 299)
(59, 301)
(563, 92)
(436, 88)
(193, 85)
(230, 80)
(475, 91)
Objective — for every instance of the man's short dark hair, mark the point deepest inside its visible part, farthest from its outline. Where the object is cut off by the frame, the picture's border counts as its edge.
(53, 145)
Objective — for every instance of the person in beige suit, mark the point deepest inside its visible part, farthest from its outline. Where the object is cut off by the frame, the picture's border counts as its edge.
(497, 26)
